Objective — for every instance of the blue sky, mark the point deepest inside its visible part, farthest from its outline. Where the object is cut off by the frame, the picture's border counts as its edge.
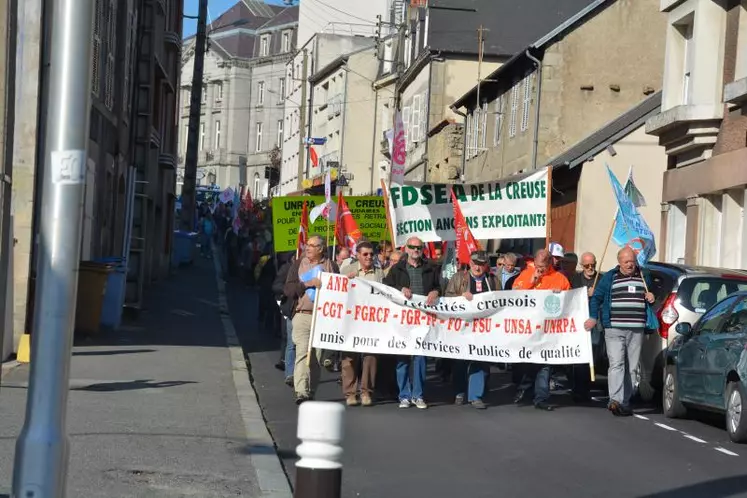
(215, 8)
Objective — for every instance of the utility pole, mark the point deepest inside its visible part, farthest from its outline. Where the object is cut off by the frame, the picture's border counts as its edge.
(480, 50)
(41, 458)
(195, 103)
(302, 118)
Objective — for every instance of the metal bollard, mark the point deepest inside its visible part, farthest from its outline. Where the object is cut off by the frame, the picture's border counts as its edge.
(319, 471)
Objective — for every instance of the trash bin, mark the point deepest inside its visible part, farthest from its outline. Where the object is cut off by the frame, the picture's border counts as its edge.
(92, 279)
(111, 312)
(185, 247)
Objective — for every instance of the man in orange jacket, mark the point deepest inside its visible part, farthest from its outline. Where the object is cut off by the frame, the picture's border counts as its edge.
(542, 276)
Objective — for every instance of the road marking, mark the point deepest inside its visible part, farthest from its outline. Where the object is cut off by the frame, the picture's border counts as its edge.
(725, 451)
(640, 416)
(664, 426)
(693, 438)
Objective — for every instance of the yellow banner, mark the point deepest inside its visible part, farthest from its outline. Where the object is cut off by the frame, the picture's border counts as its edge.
(369, 212)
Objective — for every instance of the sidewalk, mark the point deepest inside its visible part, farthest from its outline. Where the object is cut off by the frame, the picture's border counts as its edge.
(157, 409)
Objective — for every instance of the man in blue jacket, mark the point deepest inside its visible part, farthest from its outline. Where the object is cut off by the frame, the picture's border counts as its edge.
(624, 300)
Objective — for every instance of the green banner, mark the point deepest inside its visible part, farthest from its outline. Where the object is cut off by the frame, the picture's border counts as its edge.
(369, 212)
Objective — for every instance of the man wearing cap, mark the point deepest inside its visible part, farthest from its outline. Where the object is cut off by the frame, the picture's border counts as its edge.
(469, 375)
(542, 276)
(558, 253)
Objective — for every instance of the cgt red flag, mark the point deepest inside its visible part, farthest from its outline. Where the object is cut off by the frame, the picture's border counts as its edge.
(465, 241)
(303, 231)
(347, 232)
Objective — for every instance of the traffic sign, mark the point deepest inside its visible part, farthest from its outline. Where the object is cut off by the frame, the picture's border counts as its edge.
(316, 141)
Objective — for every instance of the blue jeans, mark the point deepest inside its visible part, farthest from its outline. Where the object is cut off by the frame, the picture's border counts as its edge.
(290, 348)
(412, 390)
(539, 375)
(470, 376)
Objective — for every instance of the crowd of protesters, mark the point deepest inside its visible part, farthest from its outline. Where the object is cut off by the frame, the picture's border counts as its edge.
(618, 302)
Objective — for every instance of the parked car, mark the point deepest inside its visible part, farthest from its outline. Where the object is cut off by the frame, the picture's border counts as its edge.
(683, 293)
(706, 365)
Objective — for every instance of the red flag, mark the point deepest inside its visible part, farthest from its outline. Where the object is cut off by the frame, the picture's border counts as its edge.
(303, 231)
(465, 241)
(347, 232)
(247, 202)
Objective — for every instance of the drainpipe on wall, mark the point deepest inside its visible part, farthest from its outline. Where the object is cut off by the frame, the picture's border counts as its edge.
(374, 166)
(535, 142)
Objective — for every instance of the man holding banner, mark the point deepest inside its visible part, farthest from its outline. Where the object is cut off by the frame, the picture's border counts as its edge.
(541, 276)
(469, 376)
(413, 275)
(304, 279)
(362, 268)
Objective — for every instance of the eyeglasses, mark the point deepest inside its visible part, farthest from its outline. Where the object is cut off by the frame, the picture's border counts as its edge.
(366, 254)
(316, 246)
(589, 265)
(415, 248)
(499, 265)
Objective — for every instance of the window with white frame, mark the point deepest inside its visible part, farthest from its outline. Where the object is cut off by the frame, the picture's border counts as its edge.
(475, 136)
(261, 93)
(688, 59)
(280, 133)
(256, 185)
(527, 103)
(406, 123)
(217, 134)
(484, 127)
(282, 89)
(415, 119)
(204, 93)
(218, 91)
(287, 41)
(264, 45)
(202, 136)
(258, 147)
(498, 121)
(514, 110)
(468, 131)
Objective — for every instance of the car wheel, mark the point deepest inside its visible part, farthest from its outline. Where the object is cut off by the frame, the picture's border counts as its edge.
(736, 419)
(673, 407)
(646, 390)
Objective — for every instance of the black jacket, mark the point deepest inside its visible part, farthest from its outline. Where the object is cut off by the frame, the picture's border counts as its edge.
(399, 278)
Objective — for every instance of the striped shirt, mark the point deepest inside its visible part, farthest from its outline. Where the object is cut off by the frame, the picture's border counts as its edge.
(628, 302)
(416, 278)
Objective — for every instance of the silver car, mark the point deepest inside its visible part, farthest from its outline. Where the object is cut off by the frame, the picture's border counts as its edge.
(683, 293)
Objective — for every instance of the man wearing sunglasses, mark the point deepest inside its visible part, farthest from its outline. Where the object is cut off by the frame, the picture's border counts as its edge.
(413, 276)
(301, 291)
(362, 268)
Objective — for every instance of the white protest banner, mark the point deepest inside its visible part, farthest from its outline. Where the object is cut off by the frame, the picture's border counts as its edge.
(495, 327)
(513, 208)
(399, 152)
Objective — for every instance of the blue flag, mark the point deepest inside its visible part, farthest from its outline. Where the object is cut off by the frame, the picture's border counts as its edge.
(630, 227)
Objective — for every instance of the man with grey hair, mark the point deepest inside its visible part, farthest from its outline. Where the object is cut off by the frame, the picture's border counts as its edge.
(509, 269)
(301, 287)
(624, 301)
(413, 276)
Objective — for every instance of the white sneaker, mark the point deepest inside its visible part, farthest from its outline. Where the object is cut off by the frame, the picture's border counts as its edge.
(404, 403)
(420, 403)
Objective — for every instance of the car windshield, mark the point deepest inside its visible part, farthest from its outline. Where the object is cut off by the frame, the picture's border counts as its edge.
(698, 294)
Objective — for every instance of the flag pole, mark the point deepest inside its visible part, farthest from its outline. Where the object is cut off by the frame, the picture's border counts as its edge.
(385, 193)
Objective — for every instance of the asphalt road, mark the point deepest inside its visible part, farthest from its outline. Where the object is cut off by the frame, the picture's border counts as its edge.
(507, 451)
